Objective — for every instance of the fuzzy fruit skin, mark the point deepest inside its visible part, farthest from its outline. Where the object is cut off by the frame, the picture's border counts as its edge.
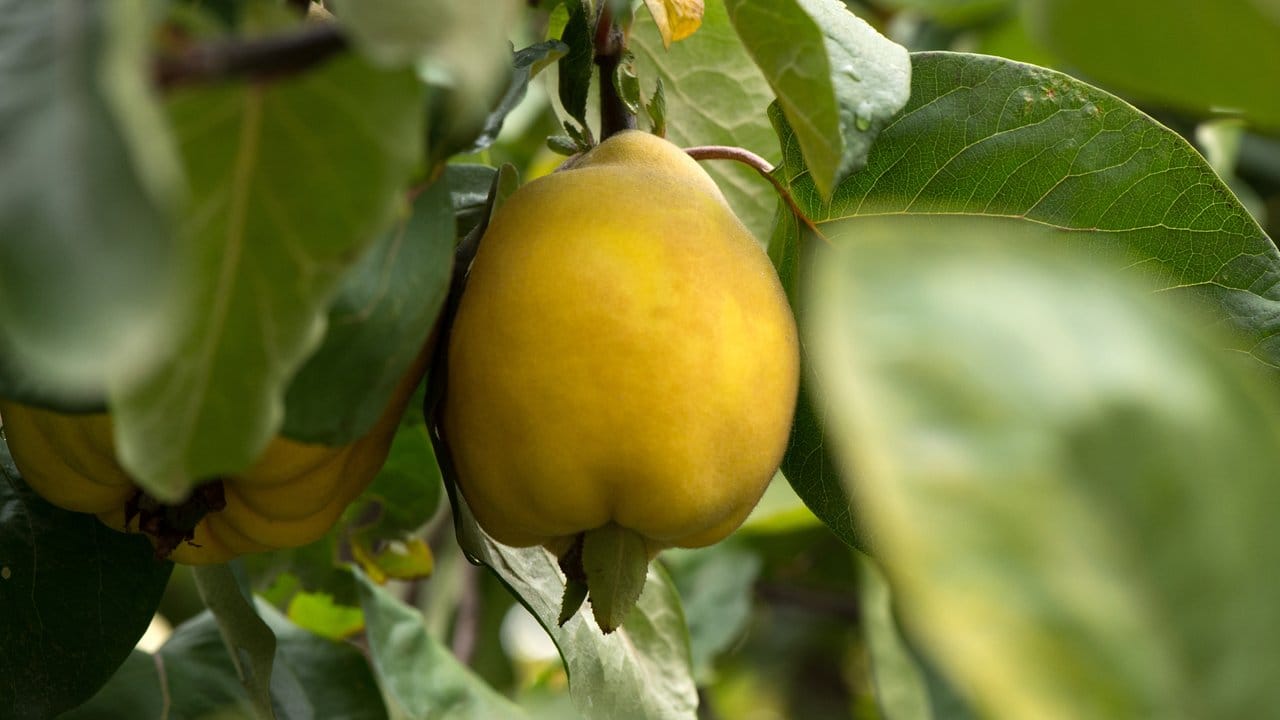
(623, 352)
(292, 495)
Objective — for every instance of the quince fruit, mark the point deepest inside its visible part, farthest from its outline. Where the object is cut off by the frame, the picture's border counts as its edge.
(623, 356)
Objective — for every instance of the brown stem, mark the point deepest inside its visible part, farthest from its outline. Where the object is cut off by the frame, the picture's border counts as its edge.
(609, 46)
(761, 166)
(257, 58)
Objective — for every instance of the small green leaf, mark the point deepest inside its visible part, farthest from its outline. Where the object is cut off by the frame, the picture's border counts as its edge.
(563, 144)
(526, 63)
(265, 256)
(627, 84)
(656, 109)
(616, 561)
(575, 593)
(577, 67)
(420, 677)
(76, 596)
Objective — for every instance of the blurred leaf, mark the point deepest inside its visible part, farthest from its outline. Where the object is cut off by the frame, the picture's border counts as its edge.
(76, 596)
(640, 670)
(318, 613)
(1192, 55)
(714, 95)
(401, 559)
(837, 80)
(265, 256)
(314, 678)
(986, 136)
(955, 12)
(1074, 494)
(576, 67)
(715, 585)
(459, 47)
(88, 178)
(385, 310)
(419, 676)
(675, 19)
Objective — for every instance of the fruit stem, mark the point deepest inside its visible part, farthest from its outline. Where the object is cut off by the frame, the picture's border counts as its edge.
(761, 166)
(610, 43)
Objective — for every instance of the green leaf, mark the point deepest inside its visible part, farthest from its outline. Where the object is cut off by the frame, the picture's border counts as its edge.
(459, 48)
(640, 670)
(420, 678)
(714, 95)
(379, 323)
(192, 677)
(526, 63)
(986, 136)
(838, 81)
(87, 182)
(76, 596)
(1071, 482)
(616, 563)
(715, 585)
(268, 245)
(1197, 56)
(576, 67)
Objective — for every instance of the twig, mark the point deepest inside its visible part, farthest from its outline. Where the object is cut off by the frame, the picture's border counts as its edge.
(257, 58)
(761, 166)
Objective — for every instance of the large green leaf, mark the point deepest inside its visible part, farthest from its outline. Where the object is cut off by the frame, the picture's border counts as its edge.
(986, 136)
(715, 96)
(1194, 55)
(420, 678)
(1071, 482)
(642, 669)
(192, 677)
(75, 597)
(385, 309)
(290, 180)
(837, 80)
(87, 179)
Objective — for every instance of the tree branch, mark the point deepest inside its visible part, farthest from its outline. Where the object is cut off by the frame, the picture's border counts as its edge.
(609, 46)
(256, 58)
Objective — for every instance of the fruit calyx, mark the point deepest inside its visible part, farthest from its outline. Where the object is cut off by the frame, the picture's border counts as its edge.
(607, 566)
(168, 526)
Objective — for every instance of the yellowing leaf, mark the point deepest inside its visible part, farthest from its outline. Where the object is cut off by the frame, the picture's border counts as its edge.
(676, 19)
